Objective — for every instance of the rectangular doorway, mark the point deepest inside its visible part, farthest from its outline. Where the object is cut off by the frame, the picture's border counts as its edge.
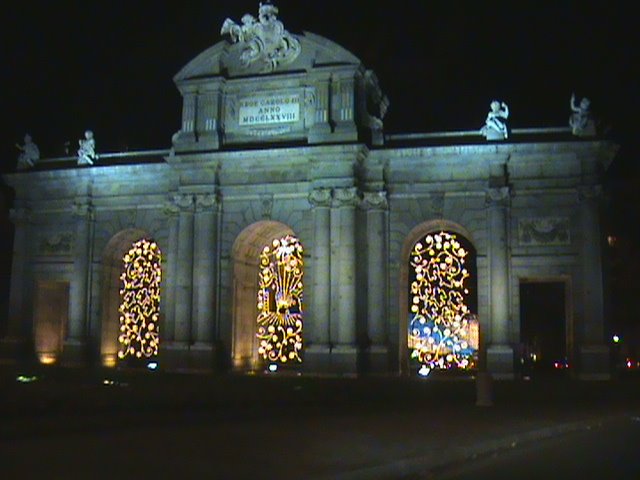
(543, 325)
(51, 314)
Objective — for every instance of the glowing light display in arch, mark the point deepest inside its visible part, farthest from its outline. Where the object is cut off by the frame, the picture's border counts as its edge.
(443, 333)
(140, 301)
(280, 301)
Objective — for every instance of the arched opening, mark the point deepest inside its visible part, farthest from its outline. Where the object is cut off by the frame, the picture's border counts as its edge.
(140, 301)
(267, 296)
(131, 273)
(439, 326)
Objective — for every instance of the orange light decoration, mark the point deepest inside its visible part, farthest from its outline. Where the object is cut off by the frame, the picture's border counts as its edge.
(140, 301)
(443, 333)
(280, 301)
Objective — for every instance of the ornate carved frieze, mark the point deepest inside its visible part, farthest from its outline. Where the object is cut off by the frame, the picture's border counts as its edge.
(264, 42)
(320, 197)
(374, 201)
(544, 231)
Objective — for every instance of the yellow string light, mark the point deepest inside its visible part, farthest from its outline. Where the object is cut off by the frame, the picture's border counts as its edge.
(280, 301)
(443, 333)
(140, 301)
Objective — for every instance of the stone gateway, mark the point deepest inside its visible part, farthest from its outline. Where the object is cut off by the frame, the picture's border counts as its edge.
(285, 230)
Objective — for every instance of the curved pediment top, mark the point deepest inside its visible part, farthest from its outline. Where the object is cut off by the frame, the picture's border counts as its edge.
(225, 59)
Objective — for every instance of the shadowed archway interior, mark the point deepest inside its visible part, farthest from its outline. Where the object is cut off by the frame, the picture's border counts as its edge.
(246, 257)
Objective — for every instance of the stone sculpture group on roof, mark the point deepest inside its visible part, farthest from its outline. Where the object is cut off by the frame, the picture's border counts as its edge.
(265, 43)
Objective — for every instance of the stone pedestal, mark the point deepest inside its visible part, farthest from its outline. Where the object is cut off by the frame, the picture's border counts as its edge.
(74, 353)
(344, 360)
(374, 360)
(500, 362)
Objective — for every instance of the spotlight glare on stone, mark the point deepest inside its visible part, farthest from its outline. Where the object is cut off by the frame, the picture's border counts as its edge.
(273, 367)
(424, 371)
(152, 365)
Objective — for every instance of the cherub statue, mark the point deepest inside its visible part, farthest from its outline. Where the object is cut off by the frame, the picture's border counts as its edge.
(87, 150)
(495, 126)
(29, 153)
(581, 121)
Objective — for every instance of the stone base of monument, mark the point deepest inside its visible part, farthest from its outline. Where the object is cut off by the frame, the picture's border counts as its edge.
(11, 350)
(174, 355)
(500, 362)
(594, 362)
(202, 357)
(74, 353)
(375, 359)
(493, 135)
(337, 360)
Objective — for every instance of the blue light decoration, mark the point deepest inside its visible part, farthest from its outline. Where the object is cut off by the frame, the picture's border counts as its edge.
(443, 333)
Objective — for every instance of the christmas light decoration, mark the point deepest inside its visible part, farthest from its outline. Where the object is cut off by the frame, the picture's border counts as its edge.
(443, 333)
(140, 301)
(280, 301)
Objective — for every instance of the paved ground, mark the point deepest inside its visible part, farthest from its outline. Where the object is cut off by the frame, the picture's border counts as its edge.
(96, 424)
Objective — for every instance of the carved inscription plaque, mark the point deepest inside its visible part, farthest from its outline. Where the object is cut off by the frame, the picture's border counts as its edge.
(268, 110)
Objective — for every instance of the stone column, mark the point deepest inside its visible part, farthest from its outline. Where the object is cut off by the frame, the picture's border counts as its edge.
(20, 322)
(594, 353)
(204, 267)
(499, 352)
(184, 270)
(170, 258)
(319, 327)
(345, 201)
(78, 315)
(375, 204)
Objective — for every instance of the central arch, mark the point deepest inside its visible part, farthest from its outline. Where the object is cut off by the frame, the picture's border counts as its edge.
(246, 252)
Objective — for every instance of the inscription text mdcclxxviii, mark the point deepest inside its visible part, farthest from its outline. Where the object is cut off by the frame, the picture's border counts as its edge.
(269, 110)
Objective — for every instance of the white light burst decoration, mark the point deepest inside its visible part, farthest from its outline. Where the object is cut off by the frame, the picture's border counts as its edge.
(280, 301)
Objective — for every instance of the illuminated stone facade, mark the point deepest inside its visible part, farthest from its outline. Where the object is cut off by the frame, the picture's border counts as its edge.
(299, 149)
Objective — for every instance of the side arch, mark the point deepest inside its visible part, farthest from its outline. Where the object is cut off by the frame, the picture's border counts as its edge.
(415, 235)
(112, 265)
(245, 253)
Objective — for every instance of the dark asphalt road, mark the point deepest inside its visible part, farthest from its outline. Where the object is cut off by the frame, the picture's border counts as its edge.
(611, 451)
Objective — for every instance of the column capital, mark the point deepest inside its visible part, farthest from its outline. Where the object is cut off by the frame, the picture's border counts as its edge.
(589, 192)
(320, 197)
(82, 207)
(498, 196)
(183, 201)
(20, 215)
(346, 197)
(206, 201)
(374, 201)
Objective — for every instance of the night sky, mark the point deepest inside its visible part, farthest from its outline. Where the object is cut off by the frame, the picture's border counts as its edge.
(108, 66)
